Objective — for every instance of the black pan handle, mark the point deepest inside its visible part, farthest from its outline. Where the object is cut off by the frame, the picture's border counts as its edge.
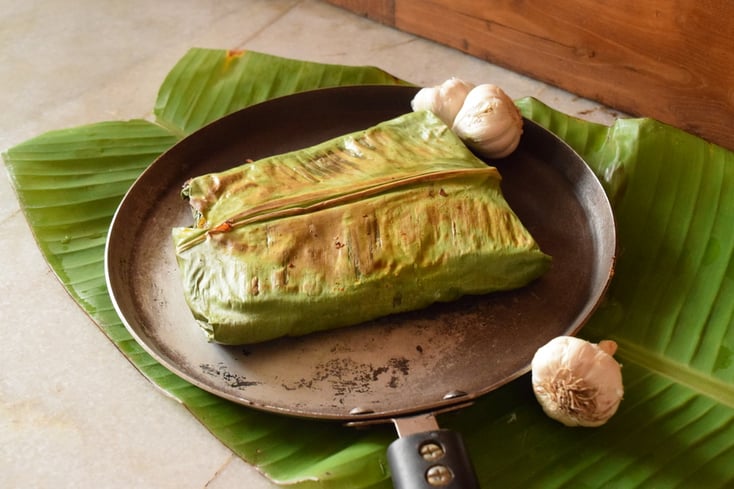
(435, 459)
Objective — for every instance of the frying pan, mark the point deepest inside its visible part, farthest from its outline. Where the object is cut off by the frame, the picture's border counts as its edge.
(402, 368)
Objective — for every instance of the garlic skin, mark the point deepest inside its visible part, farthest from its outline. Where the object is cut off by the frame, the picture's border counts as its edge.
(443, 100)
(489, 122)
(577, 382)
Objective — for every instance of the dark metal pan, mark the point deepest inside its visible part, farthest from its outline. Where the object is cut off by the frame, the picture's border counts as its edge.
(403, 368)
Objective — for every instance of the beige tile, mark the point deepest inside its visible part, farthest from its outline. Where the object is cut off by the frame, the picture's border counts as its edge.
(68, 63)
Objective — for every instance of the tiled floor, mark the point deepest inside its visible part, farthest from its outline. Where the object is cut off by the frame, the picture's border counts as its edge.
(73, 412)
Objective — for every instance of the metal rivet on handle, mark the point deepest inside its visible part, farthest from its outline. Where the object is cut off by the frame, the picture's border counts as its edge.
(431, 451)
(439, 475)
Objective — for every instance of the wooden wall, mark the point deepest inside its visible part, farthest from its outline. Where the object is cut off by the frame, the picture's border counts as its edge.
(672, 60)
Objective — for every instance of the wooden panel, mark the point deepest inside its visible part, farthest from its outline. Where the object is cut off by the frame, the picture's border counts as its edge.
(380, 10)
(668, 59)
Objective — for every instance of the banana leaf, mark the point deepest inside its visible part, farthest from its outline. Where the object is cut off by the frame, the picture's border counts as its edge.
(274, 220)
(669, 306)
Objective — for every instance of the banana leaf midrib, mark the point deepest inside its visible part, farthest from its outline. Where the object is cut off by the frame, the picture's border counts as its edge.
(711, 387)
(327, 198)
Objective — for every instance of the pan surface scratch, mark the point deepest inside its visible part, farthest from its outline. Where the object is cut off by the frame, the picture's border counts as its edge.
(388, 367)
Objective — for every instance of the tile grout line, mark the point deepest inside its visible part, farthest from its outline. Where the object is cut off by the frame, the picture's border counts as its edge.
(270, 23)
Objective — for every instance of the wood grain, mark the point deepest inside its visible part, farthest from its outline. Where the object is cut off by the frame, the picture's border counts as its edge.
(381, 10)
(672, 60)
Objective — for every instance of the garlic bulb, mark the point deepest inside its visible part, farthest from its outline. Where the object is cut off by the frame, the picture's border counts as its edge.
(577, 382)
(489, 122)
(443, 100)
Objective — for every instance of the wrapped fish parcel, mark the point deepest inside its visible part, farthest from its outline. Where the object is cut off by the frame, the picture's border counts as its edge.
(385, 220)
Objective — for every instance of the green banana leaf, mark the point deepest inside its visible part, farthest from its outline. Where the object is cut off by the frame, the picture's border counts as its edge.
(670, 305)
(337, 184)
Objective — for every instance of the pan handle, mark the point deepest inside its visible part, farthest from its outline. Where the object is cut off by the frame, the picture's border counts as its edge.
(426, 457)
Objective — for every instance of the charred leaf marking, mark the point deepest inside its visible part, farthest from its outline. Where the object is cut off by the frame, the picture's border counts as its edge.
(231, 379)
(345, 375)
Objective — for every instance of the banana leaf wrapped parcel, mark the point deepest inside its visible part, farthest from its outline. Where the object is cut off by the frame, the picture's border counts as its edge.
(385, 220)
